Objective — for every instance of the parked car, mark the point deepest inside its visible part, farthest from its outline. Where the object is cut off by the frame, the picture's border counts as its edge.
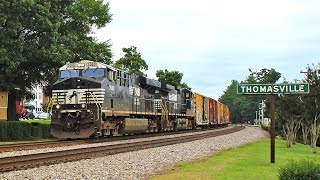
(27, 114)
(41, 115)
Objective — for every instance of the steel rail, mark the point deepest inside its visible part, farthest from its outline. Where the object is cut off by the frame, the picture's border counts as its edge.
(38, 145)
(62, 143)
(35, 160)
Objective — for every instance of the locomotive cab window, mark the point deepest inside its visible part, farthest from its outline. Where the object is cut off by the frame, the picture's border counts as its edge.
(126, 79)
(111, 75)
(69, 73)
(97, 72)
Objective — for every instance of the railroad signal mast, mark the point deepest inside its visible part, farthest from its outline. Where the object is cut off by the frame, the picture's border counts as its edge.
(262, 109)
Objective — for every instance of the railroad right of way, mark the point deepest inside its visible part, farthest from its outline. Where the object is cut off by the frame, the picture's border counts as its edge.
(139, 164)
(34, 160)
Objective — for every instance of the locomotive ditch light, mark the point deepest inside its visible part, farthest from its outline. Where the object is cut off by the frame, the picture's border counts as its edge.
(83, 106)
(58, 106)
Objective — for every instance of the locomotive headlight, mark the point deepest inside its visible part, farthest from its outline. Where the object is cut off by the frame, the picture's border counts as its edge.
(83, 106)
(58, 106)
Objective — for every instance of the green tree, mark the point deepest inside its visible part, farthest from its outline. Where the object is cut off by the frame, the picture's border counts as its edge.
(171, 77)
(289, 112)
(306, 117)
(311, 103)
(266, 75)
(185, 85)
(234, 102)
(244, 107)
(131, 61)
(39, 36)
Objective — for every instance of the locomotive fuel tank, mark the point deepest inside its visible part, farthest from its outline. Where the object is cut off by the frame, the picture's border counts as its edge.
(133, 125)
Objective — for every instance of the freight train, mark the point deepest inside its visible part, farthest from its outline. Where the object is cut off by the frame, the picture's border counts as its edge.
(92, 99)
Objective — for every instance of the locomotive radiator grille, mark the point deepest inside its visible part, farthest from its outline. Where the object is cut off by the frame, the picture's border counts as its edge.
(78, 96)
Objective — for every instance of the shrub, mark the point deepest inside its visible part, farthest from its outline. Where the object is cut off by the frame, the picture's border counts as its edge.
(17, 130)
(45, 130)
(300, 170)
(3, 131)
(36, 131)
(265, 127)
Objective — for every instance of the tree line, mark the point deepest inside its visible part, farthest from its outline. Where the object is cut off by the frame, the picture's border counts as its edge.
(37, 37)
(297, 116)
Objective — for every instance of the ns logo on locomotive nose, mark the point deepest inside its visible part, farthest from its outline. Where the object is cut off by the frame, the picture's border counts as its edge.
(74, 94)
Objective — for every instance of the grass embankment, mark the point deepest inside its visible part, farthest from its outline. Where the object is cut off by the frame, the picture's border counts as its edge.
(19, 142)
(250, 161)
(42, 121)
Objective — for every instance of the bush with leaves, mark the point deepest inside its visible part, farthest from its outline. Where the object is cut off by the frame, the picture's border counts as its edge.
(300, 170)
(265, 127)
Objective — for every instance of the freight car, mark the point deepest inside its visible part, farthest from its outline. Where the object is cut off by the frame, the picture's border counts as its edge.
(94, 99)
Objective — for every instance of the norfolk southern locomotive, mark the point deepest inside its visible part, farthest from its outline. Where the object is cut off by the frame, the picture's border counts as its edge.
(93, 99)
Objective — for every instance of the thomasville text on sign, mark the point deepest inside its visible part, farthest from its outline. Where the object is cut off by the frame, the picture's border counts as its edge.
(273, 88)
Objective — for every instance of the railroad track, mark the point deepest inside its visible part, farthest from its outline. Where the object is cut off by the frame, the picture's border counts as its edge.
(62, 143)
(35, 160)
(38, 145)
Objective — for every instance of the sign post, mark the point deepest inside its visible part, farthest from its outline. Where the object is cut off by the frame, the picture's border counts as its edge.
(272, 128)
(272, 90)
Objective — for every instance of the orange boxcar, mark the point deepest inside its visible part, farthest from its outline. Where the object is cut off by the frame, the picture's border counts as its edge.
(201, 109)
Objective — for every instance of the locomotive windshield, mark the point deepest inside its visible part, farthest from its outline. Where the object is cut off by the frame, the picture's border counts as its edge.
(93, 73)
(97, 72)
(69, 73)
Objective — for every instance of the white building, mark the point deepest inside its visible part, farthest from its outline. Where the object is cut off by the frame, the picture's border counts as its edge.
(38, 98)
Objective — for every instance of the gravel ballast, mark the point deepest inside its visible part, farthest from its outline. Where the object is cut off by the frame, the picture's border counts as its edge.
(62, 148)
(139, 164)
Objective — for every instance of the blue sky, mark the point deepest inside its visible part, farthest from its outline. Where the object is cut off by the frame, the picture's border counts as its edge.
(214, 42)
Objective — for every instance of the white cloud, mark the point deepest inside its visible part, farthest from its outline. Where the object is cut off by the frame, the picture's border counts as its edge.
(213, 42)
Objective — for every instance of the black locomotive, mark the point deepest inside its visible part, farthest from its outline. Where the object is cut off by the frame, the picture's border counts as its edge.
(94, 99)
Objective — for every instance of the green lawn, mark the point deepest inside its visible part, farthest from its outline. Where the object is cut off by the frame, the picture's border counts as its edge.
(18, 142)
(42, 121)
(250, 161)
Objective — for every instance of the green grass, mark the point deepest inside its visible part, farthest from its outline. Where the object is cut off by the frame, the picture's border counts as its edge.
(17, 142)
(250, 161)
(41, 121)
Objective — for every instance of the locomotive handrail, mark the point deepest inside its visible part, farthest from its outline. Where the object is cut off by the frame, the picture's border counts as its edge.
(165, 111)
(50, 106)
(99, 108)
